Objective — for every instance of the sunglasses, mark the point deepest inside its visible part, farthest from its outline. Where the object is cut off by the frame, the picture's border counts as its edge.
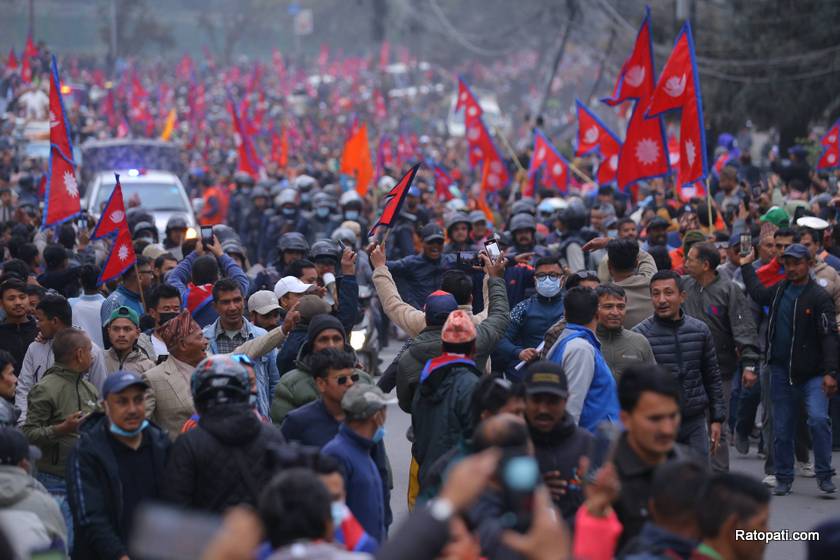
(342, 379)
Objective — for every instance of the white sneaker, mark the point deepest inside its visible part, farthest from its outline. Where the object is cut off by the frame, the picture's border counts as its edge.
(805, 470)
(769, 481)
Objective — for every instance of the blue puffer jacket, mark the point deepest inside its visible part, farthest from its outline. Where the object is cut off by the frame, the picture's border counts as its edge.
(417, 276)
(529, 321)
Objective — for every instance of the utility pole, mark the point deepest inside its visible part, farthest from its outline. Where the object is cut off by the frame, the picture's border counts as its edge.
(571, 8)
(113, 41)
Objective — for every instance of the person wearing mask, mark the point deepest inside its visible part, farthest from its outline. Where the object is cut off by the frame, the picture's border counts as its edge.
(620, 347)
(420, 274)
(530, 319)
(577, 350)
(127, 293)
(365, 410)
(298, 387)
(226, 459)
(732, 504)
(440, 409)
(650, 413)
(802, 352)
(685, 346)
(57, 405)
(264, 310)
(163, 303)
(558, 442)
(18, 329)
(117, 465)
(86, 307)
(324, 217)
(28, 509)
(631, 269)
(254, 225)
(52, 315)
(123, 330)
(352, 206)
(232, 330)
(720, 303)
(195, 276)
(672, 531)
(458, 228)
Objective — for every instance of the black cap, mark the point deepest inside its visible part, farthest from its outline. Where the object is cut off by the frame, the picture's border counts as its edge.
(14, 447)
(796, 251)
(546, 377)
(658, 222)
(431, 232)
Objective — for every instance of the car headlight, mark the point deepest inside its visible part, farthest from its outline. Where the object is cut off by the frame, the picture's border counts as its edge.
(357, 339)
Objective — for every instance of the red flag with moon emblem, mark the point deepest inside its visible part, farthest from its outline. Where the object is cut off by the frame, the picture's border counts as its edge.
(61, 197)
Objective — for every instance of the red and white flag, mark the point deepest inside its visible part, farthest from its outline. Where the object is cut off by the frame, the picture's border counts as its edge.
(830, 157)
(113, 218)
(643, 154)
(595, 136)
(678, 87)
(61, 199)
(121, 258)
(249, 160)
(547, 161)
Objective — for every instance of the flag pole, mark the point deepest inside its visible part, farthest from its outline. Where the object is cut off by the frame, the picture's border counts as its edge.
(709, 202)
(509, 149)
(580, 173)
(139, 285)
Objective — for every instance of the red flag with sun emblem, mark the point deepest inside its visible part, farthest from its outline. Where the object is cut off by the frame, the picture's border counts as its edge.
(643, 154)
(61, 198)
(113, 214)
(546, 158)
(122, 257)
(678, 87)
(595, 136)
(830, 157)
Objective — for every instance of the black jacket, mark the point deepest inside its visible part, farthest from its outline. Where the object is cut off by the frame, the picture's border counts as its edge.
(686, 347)
(636, 477)
(560, 450)
(95, 491)
(813, 351)
(15, 339)
(226, 460)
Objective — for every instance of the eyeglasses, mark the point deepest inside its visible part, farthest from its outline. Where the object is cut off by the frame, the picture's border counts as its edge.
(549, 275)
(342, 379)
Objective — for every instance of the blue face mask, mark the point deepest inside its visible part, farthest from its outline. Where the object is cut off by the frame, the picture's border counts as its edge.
(116, 430)
(547, 287)
(322, 212)
(351, 214)
(339, 513)
(379, 435)
(289, 211)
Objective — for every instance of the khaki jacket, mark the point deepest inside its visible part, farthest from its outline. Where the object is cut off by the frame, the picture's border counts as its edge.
(829, 280)
(137, 361)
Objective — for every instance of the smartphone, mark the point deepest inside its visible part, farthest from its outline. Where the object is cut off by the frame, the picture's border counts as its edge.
(519, 474)
(746, 243)
(166, 533)
(82, 220)
(493, 250)
(207, 235)
(602, 449)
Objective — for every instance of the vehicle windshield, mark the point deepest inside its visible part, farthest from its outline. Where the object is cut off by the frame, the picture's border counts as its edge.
(153, 196)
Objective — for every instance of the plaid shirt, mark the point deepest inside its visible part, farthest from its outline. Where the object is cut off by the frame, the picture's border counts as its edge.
(226, 344)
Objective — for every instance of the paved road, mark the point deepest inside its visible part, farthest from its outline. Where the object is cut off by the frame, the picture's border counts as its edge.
(800, 511)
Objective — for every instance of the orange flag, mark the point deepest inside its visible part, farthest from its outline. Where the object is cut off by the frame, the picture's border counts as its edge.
(356, 160)
(481, 200)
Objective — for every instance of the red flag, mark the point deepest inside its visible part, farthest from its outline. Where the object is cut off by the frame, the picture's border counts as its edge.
(442, 183)
(61, 200)
(394, 200)
(12, 63)
(694, 190)
(830, 157)
(642, 155)
(381, 109)
(384, 155)
(113, 217)
(466, 100)
(356, 160)
(594, 135)
(121, 258)
(29, 52)
(547, 158)
(384, 54)
(678, 87)
(249, 161)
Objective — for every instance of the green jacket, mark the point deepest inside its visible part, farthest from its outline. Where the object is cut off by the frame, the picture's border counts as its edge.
(440, 411)
(427, 345)
(297, 388)
(622, 349)
(59, 394)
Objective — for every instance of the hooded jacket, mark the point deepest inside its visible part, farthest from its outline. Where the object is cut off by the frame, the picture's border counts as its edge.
(655, 543)
(226, 460)
(725, 310)
(297, 387)
(426, 345)
(19, 492)
(687, 349)
(441, 411)
(58, 395)
(560, 450)
(95, 490)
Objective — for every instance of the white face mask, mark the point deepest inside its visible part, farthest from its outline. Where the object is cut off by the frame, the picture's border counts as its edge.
(547, 287)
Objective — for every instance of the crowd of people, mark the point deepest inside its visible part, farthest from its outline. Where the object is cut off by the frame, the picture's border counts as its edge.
(578, 368)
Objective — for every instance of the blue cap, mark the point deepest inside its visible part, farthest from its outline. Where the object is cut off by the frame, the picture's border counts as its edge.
(735, 240)
(120, 380)
(414, 191)
(439, 305)
(796, 251)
